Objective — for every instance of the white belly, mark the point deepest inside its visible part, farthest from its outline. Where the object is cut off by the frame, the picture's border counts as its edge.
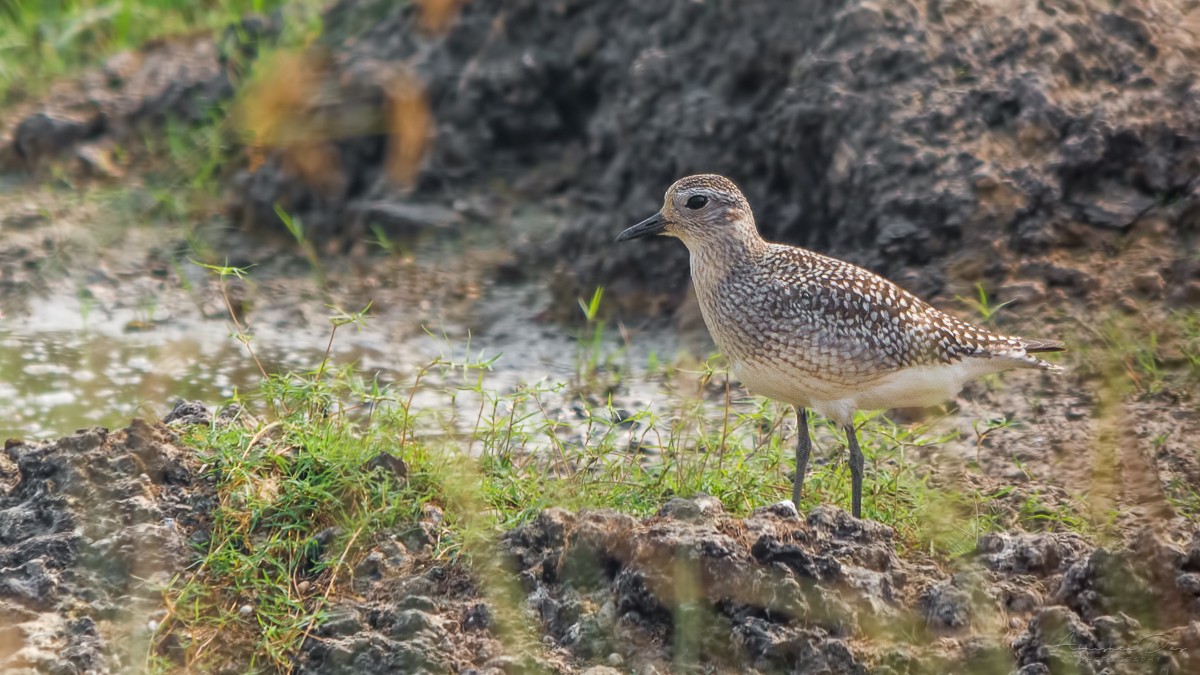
(922, 386)
(914, 387)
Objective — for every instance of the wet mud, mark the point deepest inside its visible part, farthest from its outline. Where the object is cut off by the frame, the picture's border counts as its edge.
(94, 525)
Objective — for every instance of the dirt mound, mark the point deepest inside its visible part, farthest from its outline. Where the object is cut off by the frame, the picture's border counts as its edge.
(92, 527)
(772, 593)
(827, 593)
(951, 137)
(134, 91)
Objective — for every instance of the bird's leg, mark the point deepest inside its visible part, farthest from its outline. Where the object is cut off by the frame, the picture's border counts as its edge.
(803, 450)
(856, 470)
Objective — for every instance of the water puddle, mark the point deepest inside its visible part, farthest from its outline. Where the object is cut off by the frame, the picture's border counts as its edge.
(56, 382)
(62, 370)
(100, 321)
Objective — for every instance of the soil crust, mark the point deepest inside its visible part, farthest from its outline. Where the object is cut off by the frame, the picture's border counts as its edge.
(93, 525)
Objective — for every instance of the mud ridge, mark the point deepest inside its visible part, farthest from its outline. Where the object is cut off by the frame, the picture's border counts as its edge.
(93, 526)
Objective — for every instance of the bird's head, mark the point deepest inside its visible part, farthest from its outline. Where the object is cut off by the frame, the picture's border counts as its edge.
(701, 210)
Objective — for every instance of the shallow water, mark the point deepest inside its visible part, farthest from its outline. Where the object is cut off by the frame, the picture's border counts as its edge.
(62, 370)
(59, 381)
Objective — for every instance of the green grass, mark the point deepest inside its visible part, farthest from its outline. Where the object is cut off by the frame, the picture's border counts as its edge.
(1186, 331)
(1184, 498)
(280, 486)
(983, 305)
(302, 466)
(44, 39)
(179, 169)
(1147, 353)
(185, 166)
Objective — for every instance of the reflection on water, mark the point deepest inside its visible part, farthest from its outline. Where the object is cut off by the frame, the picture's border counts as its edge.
(55, 382)
(102, 345)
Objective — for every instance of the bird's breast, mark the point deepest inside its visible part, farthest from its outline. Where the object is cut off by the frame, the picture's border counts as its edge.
(728, 307)
(784, 381)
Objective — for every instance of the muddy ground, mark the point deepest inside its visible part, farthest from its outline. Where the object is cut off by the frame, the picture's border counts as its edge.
(1050, 153)
(94, 525)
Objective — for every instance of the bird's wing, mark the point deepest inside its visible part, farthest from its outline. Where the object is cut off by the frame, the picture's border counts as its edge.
(844, 313)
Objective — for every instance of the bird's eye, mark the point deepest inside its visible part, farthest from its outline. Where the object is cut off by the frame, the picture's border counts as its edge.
(697, 202)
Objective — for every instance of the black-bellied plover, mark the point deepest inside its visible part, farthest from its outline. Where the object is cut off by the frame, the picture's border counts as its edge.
(820, 333)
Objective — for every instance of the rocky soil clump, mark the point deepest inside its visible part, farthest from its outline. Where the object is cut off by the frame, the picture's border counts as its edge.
(92, 528)
(776, 592)
(825, 593)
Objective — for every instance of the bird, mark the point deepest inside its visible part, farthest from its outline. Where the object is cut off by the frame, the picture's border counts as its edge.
(819, 333)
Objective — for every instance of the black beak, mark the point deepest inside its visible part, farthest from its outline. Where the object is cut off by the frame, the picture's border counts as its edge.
(652, 225)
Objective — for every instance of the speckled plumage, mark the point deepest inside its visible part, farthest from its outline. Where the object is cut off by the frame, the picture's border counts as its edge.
(837, 330)
(817, 332)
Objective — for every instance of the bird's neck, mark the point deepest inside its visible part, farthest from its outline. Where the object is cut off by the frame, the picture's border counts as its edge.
(714, 262)
(717, 256)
